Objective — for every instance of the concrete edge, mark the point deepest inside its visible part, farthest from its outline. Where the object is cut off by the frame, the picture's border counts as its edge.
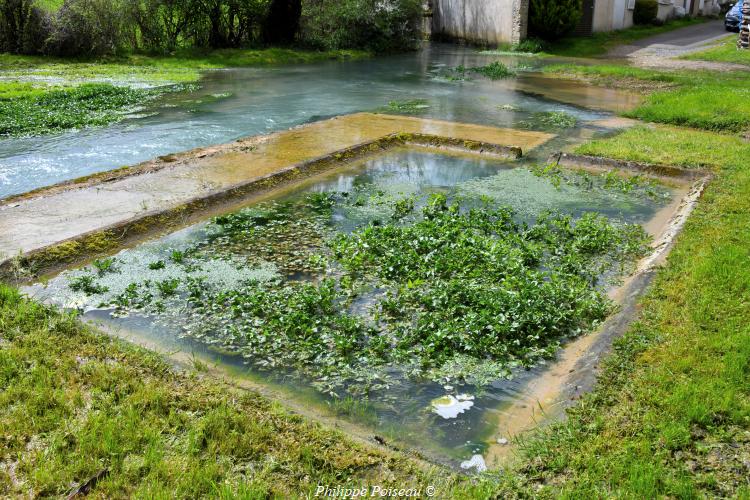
(81, 248)
(586, 371)
(571, 160)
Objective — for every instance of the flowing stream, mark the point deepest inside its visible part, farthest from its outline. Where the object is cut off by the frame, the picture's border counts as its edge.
(240, 102)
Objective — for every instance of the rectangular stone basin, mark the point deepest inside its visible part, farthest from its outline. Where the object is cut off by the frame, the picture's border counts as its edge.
(448, 421)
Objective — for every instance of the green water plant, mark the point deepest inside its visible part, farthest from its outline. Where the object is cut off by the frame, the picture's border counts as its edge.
(449, 289)
(494, 71)
(636, 186)
(408, 106)
(83, 106)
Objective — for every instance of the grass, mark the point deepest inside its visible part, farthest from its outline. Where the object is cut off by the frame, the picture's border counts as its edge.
(724, 51)
(699, 99)
(600, 43)
(74, 402)
(181, 67)
(671, 414)
(43, 94)
(670, 417)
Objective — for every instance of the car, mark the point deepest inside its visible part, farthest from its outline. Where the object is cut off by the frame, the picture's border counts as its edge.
(734, 17)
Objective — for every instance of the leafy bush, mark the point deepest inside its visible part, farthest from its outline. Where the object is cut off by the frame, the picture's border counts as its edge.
(23, 27)
(551, 19)
(378, 25)
(89, 28)
(645, 11)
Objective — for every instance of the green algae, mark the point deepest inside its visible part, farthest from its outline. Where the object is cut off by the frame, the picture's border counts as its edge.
(452, 280)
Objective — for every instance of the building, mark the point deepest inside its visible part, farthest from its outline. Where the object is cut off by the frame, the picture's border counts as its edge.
(605, 15)
(669, 9)
(492, 22)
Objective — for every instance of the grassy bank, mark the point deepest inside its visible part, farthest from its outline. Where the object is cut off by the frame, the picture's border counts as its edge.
(724, 51)
(698, 99)
(74, 403)
(671, 416)
(41, 94)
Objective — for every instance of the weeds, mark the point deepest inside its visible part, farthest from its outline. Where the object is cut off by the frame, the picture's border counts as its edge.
(408, 106)
(494, 71)
(452, 279)
(87, 105)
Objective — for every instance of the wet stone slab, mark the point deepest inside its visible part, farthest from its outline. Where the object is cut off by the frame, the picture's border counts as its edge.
(51, 216)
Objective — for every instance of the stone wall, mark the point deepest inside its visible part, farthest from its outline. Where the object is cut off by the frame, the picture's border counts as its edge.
(480, 21)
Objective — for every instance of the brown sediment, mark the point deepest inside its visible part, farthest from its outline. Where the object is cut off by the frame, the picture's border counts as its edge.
(615, 122)
(570, 91)
(67, 224)
(545, 397)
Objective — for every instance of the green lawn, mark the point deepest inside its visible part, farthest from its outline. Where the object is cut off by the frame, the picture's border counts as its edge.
(698, 99)
(724, 51)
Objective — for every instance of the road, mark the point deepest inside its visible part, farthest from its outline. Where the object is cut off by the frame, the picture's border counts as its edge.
(661, 51)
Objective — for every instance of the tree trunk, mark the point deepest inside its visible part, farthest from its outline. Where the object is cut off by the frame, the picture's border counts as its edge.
(282, 23)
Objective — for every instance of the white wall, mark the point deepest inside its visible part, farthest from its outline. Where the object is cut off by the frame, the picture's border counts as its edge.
(612, 15)
(480, 21)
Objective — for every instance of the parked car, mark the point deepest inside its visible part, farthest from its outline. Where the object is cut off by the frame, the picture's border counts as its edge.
(734, 17)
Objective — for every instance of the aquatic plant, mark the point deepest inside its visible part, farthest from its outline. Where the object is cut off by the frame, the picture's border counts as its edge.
(104, 266)
(550, 120)
(87, 284)
(86, 105)
(408, 106)
(494, 71)
(636, 186)
(451, 289)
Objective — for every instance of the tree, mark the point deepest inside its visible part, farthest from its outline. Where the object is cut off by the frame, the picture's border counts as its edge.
(282, 22)
(551, 19)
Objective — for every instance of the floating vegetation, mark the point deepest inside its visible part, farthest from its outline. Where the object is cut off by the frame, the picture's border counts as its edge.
(86, 105)
(638, 185)
(408, 106)
(494, 71)
(550, 120)
(450, 283)
(430, 270)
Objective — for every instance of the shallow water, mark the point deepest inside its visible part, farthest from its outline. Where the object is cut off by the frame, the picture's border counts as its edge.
(405, 410)
(262, 100)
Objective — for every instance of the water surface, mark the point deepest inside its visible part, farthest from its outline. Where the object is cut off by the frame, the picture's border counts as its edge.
(406, 410)
(262, 100)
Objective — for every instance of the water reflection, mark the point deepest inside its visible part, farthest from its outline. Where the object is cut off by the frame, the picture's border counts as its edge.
(262, 100)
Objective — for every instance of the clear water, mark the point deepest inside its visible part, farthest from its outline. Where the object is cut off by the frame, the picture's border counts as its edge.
(404, 411)
(263, 100)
